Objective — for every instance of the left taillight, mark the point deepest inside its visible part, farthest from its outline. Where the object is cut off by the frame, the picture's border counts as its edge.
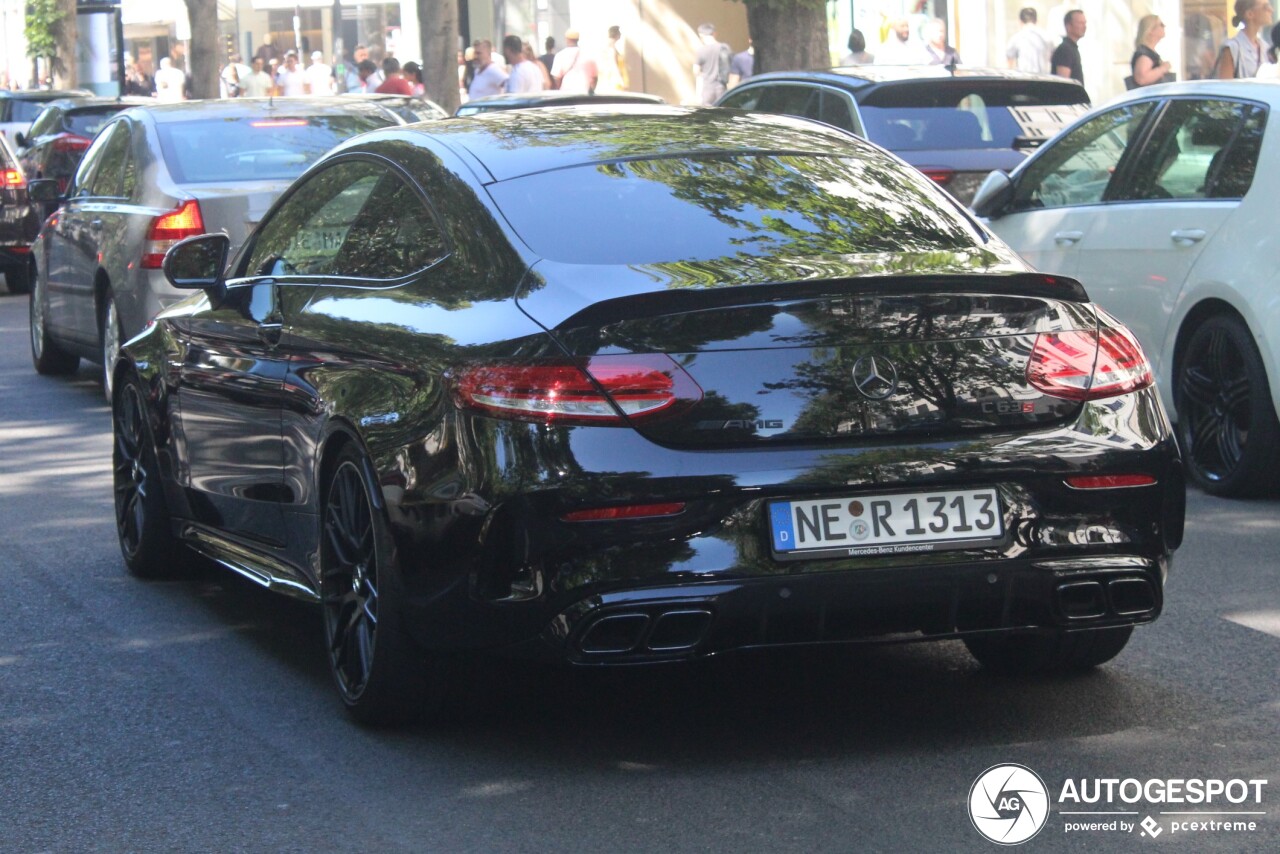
(1088, 364)
(941, 177)
(167, 229)
(12, 179)
(599, 390)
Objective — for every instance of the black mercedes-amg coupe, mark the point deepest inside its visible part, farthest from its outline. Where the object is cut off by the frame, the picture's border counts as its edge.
(629, 385)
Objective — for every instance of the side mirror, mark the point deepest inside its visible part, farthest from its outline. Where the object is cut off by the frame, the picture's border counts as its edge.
(993, 196)
(44, 190)
(21, 139)
(197, 263)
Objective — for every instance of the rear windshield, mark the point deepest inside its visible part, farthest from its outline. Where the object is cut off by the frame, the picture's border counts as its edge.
(87, 123)
(718, 206)
(252, 148)
(995, 114)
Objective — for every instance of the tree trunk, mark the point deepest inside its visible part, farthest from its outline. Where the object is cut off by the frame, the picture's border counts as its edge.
(65, 72)
(788, 35)
(203, 15)
(438, 23)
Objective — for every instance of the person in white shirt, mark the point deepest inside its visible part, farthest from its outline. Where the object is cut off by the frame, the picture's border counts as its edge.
(489, 79)
(525, 76)
(233, 77)
(319, 75)
(170, 81)
(291, 81)
(1030, 48)
(573, 70)
(258, 84)
(901, 47)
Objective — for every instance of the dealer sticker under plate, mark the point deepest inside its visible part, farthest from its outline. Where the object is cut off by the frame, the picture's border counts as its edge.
(885, 524)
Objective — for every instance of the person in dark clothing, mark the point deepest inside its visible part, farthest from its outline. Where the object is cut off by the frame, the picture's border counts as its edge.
(548, 59)
(1066, 58)
(1145, 65)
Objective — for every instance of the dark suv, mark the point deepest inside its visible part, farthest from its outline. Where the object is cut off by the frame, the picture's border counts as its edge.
(954, 124)
(19, 223)
(63, 132)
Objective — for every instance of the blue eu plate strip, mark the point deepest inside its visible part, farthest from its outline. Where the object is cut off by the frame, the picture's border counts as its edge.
(784, 536)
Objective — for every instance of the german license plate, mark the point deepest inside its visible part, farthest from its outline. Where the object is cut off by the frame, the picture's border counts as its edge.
(885, 524)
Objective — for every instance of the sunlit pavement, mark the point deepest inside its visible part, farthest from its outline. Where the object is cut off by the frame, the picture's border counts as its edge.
(196, 715)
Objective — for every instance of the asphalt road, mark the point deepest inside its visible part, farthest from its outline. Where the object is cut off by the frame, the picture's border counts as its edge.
(197, 715)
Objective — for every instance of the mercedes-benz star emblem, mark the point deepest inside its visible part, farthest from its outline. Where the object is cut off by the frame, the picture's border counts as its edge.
(875, 377)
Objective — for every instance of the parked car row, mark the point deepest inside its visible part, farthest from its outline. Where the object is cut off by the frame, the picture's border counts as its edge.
(794, 393)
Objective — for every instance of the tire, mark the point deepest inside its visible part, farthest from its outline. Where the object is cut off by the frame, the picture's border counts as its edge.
(1227, 423)
(383, 677)
(1028, 654)
(18, 279)
(109, 340)
(142, 519)
(49, 359)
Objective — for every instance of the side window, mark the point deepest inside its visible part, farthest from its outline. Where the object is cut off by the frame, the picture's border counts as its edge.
(1199, 149)
(46, 122)
(356, 219)
(1079, 168)
(834, 110)
(790, 101)
(744, 99)
(108, 178)
(82, 183)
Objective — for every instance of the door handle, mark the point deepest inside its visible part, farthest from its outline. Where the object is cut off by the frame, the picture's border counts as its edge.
(1187, 236)
(1068, 238)
(269, 333)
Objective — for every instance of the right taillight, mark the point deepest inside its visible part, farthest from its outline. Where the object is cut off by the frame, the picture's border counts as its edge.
(1088, 365)
(70, 143)
(168, 229)
(599, 390)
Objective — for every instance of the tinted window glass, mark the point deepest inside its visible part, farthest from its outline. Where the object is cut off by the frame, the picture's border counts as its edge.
(1191, 154)
(744, 99)
(108, 178)
(1078, 168)
(355, 218)
(836, 112)
(718, 206)
(946, 115)
(47, 121)
(89, 165)
(25, 111)
(88, 123)
(248, 149)
(790, 101)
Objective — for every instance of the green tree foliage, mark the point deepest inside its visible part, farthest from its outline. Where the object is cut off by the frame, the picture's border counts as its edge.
(42, 20)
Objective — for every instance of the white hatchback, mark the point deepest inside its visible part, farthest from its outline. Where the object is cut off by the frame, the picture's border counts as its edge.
(1164, 204)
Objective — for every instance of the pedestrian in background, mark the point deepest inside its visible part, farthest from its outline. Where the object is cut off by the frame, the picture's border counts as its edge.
(1271, 69)
(1242, 54)
(1030, 48)
(367, 78)
(413, 73)
(573, 70)
(136, 80)
(531, 56)
(290, 81)
(393, 80)
(522, 76)
(548, 59)
(258, 84)
(742, 65)
(900, 47)
(711, 66)
(320, 75)
(489, 79)
(858, 54)
(1146, 66)
(233, 77)
(935, 44)
(356, 83)
(170, 82)
(613, 65)
(1066, 57)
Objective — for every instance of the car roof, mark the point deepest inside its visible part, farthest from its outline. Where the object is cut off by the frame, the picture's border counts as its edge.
(73, 104)
(860, 76)
(44, 94)
(512, 143)
(517, 100)
(1253, 89)
(240, 108)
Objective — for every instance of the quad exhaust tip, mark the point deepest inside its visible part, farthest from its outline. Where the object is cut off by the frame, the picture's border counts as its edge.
(675, 630)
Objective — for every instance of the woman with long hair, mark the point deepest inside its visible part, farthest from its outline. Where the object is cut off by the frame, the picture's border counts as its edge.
(1242, 54)
(1145, 64)
(1271, 71)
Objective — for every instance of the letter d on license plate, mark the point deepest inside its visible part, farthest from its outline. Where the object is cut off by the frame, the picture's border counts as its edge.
(885, 524)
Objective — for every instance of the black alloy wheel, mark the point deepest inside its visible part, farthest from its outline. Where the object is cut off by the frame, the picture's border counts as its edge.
(142, 519)
(380, 672)
(1027, 654)
(1226, 420)
(47, 357)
